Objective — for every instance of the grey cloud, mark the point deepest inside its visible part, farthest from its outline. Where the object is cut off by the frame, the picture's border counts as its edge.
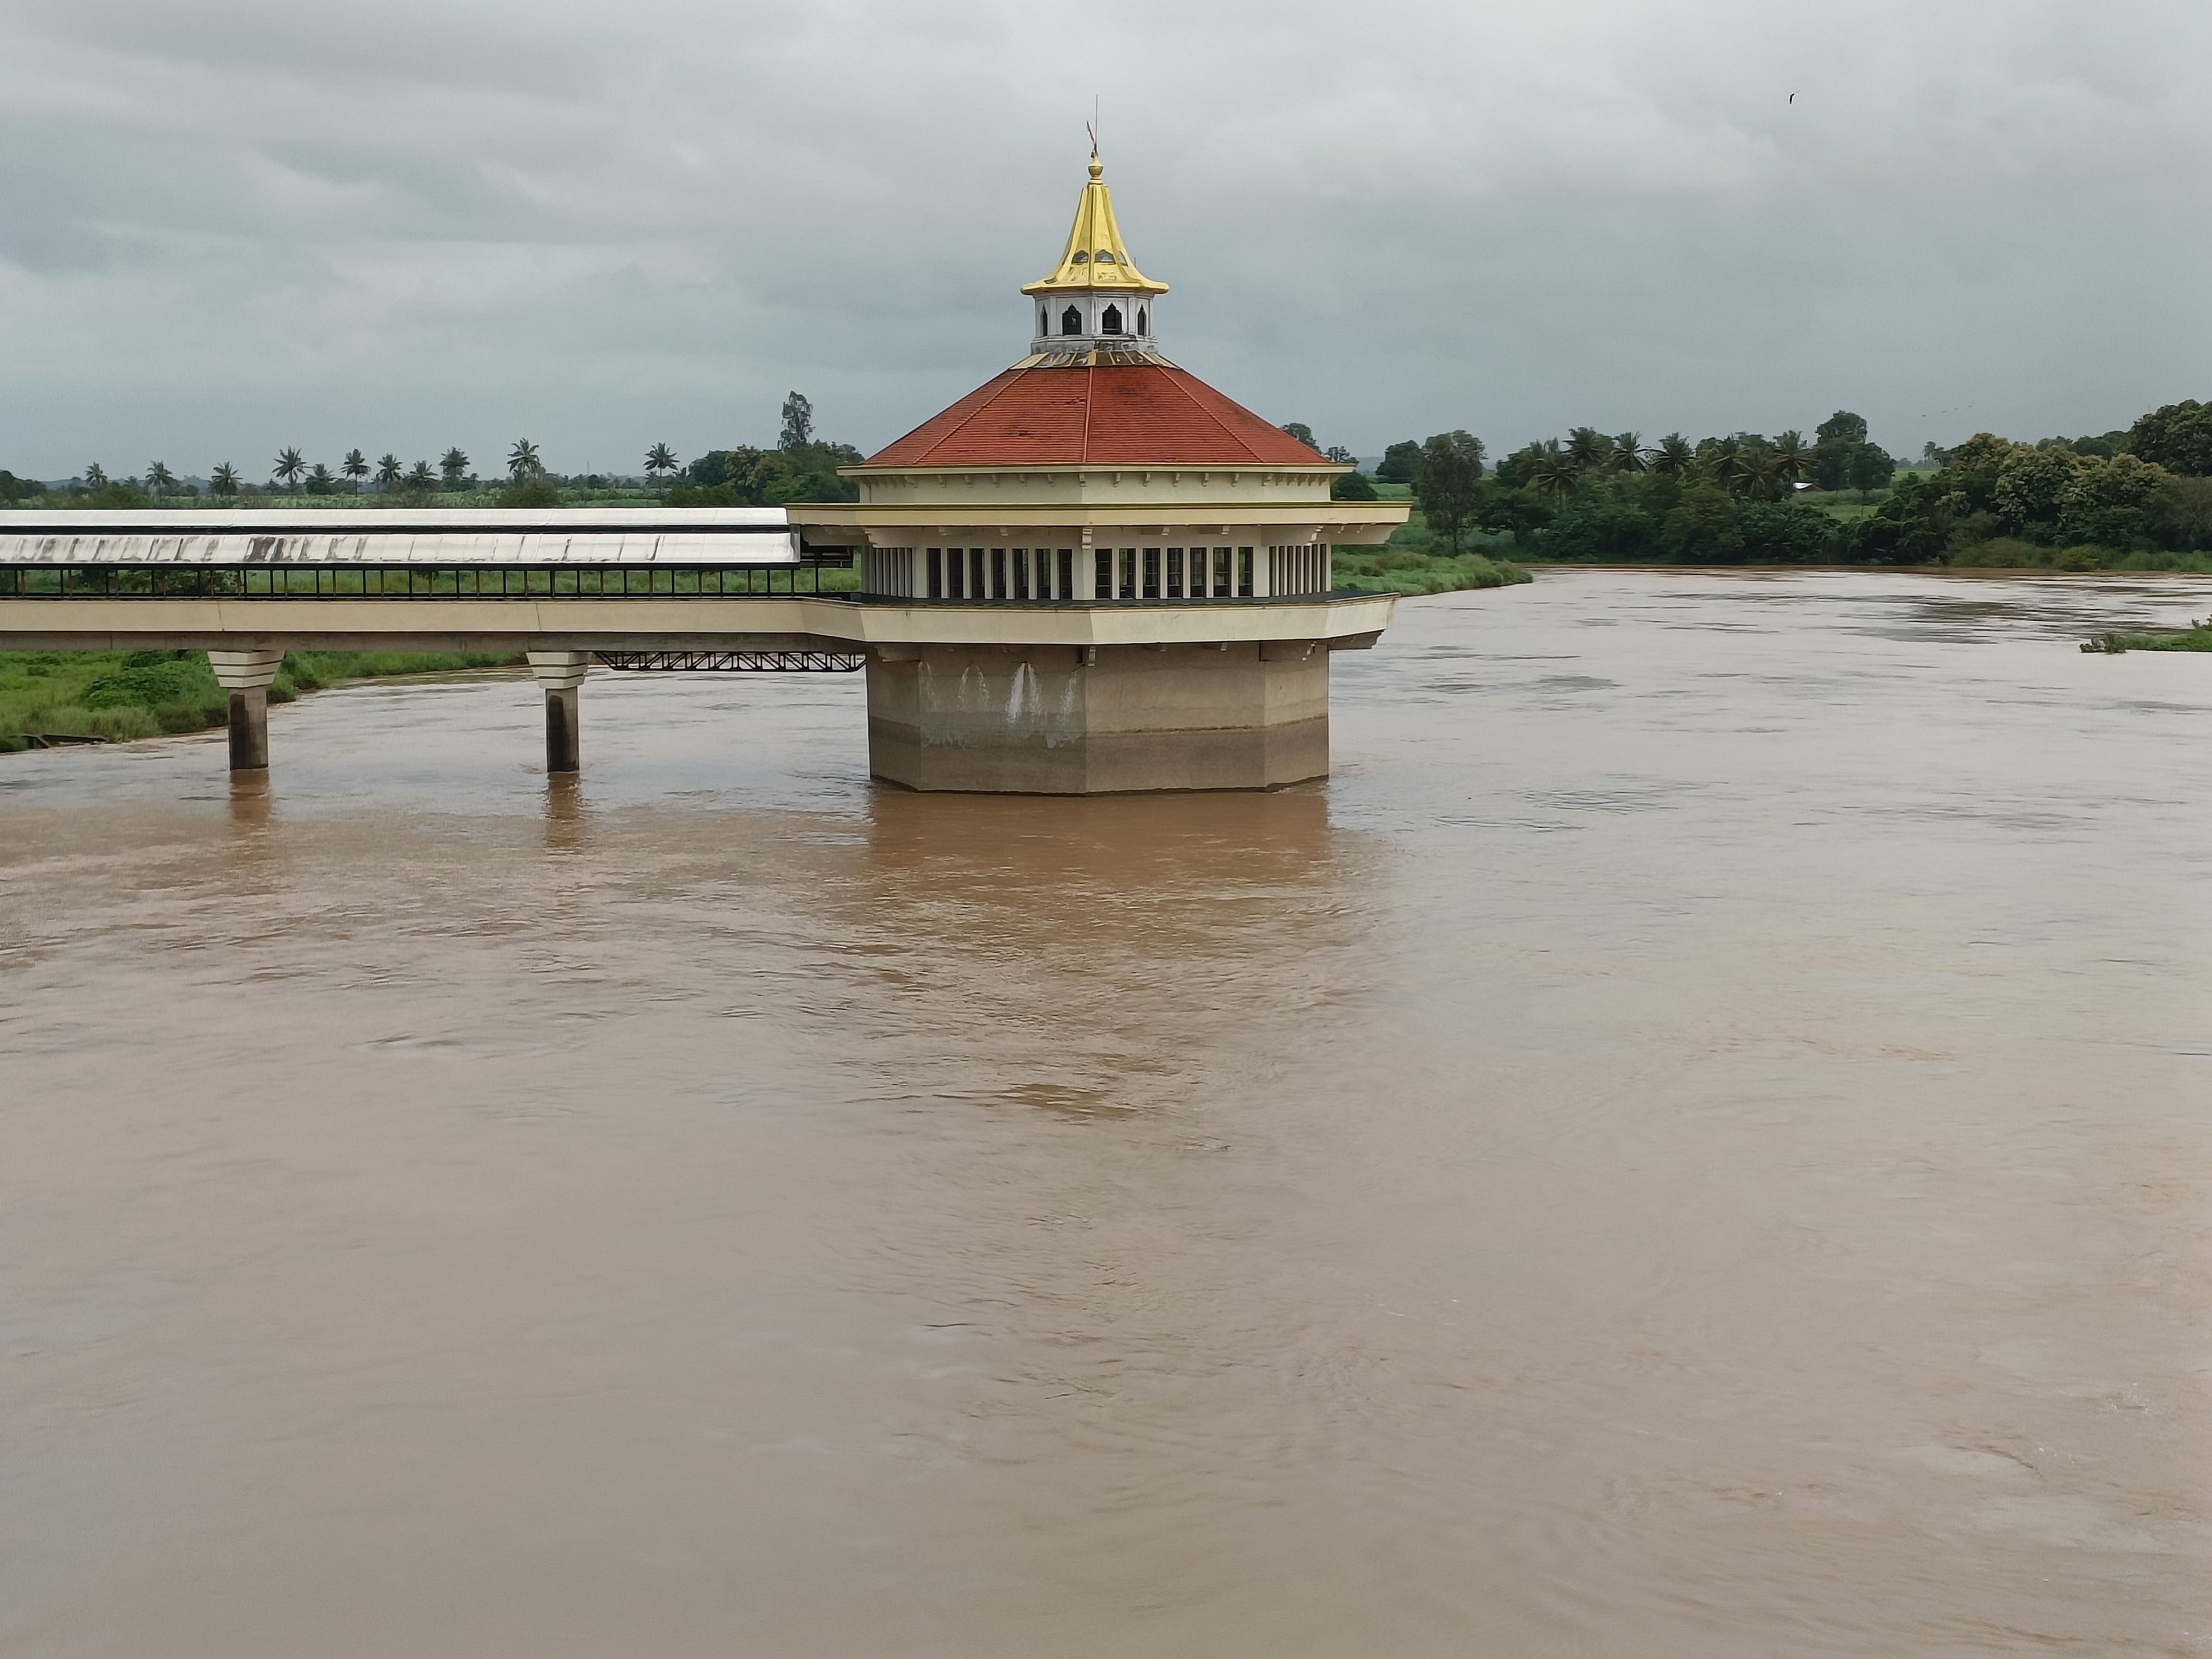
(224, 226)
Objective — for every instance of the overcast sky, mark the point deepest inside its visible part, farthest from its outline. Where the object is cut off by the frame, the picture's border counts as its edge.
(230, 225)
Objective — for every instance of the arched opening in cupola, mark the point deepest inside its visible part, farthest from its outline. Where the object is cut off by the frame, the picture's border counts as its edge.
(1110, 322)
(1044, 320)
(1144, 320)
(1071, 321)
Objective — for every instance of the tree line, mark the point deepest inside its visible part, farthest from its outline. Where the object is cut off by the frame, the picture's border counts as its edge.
(2140, 498)
(799, 468)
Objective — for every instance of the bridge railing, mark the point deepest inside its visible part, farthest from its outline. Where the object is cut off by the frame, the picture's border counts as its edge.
(121, 581)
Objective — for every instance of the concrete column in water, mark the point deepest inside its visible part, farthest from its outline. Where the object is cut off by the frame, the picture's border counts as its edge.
(561, 672)
(245, 675)
(1077, 721)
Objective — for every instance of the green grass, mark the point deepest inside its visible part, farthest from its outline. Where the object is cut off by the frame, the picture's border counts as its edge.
(2009, 553)
(1411, 562)
(120, 695)
(2198, 638)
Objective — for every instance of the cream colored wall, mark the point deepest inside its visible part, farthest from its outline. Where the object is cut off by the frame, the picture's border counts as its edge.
(1099, 486)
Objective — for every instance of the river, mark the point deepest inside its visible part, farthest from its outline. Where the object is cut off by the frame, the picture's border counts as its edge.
(1694, 1142)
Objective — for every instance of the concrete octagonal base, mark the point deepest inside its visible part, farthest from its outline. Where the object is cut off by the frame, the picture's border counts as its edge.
(1067, 720)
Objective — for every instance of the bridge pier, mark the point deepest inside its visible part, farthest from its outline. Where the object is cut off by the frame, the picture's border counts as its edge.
(562, 673)
(246, 676)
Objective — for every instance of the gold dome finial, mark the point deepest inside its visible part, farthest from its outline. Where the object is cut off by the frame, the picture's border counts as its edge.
(1095, 257)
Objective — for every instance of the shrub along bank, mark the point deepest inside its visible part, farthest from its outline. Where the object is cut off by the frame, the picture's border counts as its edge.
(118, 696)
(1412, 561)
(2198, 638)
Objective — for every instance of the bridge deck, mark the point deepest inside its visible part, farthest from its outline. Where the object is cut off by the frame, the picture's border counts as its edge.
(592, 623)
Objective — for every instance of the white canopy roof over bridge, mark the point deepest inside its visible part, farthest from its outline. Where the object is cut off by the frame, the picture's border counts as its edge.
(565, 536)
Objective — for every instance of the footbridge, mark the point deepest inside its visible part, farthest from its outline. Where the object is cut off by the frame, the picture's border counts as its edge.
(1088, 666)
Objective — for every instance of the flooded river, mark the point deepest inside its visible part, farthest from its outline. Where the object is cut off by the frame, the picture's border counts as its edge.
(1695, 1142)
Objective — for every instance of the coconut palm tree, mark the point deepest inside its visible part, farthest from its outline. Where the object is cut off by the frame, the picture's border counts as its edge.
(453, 465)
(1588, 449)
(388, 472)
(223, 481)
(290, 465)
(522, 460)
(1629, 454)
(1755, 472)
(355, 467)
(1674, 457)
(1793, 459)
(158, 478)
(419, 477)
(95, 476)
(660, 459)
(1553, 470)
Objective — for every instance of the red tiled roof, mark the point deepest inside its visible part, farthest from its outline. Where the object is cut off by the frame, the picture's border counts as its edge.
(1100, 414)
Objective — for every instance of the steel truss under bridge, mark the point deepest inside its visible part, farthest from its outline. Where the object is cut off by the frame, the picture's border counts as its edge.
(733, 662)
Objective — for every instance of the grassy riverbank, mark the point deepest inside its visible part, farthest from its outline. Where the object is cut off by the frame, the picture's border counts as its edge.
(1411, 561)
(118, 696)
(2198, 638)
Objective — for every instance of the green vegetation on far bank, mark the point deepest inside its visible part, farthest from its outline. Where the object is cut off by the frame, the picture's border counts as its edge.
(119, 696)
(2134, 500)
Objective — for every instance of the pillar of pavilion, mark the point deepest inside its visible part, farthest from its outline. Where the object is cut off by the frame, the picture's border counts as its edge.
(1113, 577)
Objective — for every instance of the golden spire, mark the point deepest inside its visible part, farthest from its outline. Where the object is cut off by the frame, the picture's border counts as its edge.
(1094, 258)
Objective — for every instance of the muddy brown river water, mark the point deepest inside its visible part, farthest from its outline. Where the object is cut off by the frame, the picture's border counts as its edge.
(1694, 1142)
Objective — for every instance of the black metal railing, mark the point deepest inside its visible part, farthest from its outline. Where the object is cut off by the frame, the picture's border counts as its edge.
(733, 662)
(125, 581)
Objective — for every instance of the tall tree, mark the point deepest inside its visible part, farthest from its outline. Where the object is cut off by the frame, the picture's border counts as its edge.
(291, 464)
(321, 481)
(453, 467)
(223, 481)
(1755, 473)
(1401, 463)
(660, 459)
(419, 477)
(1302, 432)
(158, 478)
(355, 467)
(1341, 455)
(1674, 457)
(388, 470)
(522, 460)
(95, 477)
(1843, 426)
(1450, 482)
(1871, 469)
(2178, 437)
(1629, 454)
(1589, 449)
(1552, 470)
(797, 423)
(1834, 440)
(1792, 460)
